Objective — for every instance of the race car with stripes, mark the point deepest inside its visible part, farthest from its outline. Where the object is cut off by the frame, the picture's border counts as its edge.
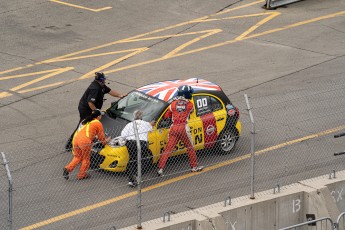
(214, 123)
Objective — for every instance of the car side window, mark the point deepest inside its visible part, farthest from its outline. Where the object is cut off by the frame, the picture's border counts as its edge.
(215, 104)
(164, 123)
(202, 105)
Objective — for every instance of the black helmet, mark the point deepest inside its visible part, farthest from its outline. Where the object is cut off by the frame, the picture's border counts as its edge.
(185, 91)
(99, 76)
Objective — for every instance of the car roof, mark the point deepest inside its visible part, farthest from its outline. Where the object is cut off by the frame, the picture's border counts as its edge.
(166, 90)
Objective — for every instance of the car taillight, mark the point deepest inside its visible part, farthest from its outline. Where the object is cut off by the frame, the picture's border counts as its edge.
(231, 110)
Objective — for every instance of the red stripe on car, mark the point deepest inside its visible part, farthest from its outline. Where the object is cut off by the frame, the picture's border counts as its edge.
(210, 129)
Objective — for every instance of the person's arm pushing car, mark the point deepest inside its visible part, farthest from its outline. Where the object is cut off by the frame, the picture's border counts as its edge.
(114, 93)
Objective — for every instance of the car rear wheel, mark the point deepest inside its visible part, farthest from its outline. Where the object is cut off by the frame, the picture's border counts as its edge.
(227, 140)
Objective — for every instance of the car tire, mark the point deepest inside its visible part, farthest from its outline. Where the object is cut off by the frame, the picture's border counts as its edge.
(227, 140)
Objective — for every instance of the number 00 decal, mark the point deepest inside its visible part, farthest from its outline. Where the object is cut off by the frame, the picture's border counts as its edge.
(201, 103)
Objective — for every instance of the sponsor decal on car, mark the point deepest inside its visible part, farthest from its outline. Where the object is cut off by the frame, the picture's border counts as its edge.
(210, 130)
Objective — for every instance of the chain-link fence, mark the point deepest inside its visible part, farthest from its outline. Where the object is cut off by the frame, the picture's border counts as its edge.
(293, 140)
(4, 200)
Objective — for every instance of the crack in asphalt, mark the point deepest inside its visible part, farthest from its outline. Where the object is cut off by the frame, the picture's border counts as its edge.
(294, 47)
(340, 31)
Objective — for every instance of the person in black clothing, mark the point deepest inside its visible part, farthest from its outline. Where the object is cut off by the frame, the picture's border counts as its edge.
(92, 99)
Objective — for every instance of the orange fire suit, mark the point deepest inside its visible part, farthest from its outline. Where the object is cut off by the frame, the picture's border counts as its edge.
(179, 110)
(82, 144)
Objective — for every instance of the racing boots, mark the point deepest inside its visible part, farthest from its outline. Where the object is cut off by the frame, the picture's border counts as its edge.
(65, 174)
(160, 172)
(132, 181)
(132, 184)
(84, 177)
(197, 169)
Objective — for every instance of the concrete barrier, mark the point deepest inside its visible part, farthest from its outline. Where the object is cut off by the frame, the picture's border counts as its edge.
(322, 197)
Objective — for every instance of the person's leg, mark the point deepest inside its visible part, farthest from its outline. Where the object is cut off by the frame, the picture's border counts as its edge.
(172, 141)
(68, 145)
(85, 163)
(146, 160)
(76, 159)
(187, 141)
(190, 149)
(132, 168)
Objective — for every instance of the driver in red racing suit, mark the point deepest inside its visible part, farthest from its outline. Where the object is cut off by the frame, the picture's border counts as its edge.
(179, 110)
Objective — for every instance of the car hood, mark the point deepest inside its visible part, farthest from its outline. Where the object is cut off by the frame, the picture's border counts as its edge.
(113, 127)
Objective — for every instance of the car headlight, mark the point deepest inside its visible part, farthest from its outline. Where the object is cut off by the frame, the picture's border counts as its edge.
(114, 164)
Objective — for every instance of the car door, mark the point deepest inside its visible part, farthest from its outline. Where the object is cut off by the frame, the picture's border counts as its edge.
(158, 137)
(208, 120)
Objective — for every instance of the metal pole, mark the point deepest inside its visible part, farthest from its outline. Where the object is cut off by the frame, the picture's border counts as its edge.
(139, 175)
(9, 191)
(252, 146)
(306, 224)
(268, 3)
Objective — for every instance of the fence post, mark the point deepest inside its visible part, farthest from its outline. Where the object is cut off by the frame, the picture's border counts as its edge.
(252, 146)
(9, 191)
(139, 174)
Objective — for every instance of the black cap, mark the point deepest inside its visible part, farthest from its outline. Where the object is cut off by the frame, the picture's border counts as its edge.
(100, 76)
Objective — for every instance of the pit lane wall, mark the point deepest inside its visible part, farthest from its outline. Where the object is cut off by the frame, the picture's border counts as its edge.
(270, 210)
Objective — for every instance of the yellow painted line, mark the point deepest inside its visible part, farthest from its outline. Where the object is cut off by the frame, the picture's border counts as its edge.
(136, 65)
(11, 70)
(81, 7)
(101, 68)
(297, 24)
(28, 74)
(52, 73)
(260, 23)
(62, 70)
(41, 87)
(95, 55)
(181, 47)
(5, 94)
(79, 211)
(136, 37)
(178, 51)
(170, 36)
(179, 178)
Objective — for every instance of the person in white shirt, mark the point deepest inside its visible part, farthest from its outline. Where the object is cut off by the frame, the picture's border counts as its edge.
(128, 133)
(143, 127)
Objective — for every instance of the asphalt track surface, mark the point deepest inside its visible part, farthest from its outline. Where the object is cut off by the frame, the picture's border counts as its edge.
(49, 51)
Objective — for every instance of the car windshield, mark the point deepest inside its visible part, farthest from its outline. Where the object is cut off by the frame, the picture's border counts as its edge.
(124, 108)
